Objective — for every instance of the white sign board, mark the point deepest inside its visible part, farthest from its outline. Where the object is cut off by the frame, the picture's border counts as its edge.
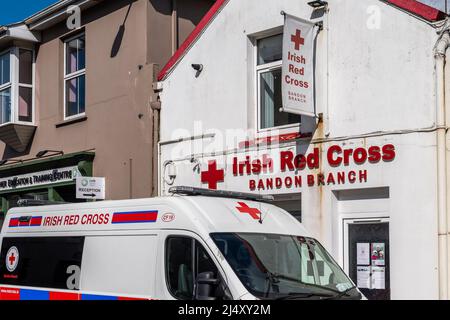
(298, 66)
(90, 188)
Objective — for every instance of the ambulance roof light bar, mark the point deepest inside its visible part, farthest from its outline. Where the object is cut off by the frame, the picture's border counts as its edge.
(36, 202)
(192, 191)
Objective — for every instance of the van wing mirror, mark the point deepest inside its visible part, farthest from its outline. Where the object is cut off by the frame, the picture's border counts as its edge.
(204, 286)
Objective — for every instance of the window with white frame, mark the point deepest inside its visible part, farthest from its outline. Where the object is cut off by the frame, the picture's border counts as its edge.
(75, 77)
(268, 72)
(16, 86)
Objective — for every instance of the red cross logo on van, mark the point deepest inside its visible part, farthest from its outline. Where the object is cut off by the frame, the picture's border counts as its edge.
(12, 259)
(253, 212)
(212, 175)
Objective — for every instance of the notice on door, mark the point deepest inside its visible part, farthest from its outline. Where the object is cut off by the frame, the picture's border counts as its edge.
(378, 254)
(363, 253)
(363, 277)
(378, 278)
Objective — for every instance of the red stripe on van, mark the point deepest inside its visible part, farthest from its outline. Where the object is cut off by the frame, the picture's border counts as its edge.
(14, 222)
(9, 294)
(63, 296)
(36, 221)
(129, 298)
(135, 217)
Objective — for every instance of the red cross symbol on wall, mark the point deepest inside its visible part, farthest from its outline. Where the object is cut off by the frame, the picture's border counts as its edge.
(297, 39)
(212, 175)
(253, 212)
(11, 259)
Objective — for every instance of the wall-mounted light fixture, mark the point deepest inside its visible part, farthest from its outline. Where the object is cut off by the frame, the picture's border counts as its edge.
(42, 153)
(318, 4)
(4, 161)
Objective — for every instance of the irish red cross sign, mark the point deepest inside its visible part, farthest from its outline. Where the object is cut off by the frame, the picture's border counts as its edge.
(297, 85)
(212, 175)
(253, 212)
(297, 39)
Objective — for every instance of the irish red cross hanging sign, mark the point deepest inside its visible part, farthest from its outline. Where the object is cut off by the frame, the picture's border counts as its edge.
(297, 83)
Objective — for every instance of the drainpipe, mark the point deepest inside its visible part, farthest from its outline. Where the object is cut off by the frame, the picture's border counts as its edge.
(155, 105)
(174, 26)
(443, 211)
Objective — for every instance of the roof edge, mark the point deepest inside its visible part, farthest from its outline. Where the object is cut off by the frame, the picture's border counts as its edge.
(192, 38)
(53, 12)
(419, 9)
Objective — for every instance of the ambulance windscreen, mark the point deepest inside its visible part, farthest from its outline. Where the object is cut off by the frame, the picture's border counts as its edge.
(275, 266)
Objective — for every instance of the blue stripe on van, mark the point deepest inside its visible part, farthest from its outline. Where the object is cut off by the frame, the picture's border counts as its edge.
(27, 294)
(97, 297)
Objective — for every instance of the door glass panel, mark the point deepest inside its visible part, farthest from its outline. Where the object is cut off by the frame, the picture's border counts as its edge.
(368, 254)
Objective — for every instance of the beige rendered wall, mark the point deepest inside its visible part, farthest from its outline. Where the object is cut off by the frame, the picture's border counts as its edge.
(118, 90)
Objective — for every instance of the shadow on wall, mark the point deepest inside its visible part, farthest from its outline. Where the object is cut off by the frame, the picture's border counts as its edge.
(192, 10)
(119, 36)
(9, 152)
(92, 14)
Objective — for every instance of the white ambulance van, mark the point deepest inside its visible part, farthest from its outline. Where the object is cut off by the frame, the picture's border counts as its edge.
(196, 244)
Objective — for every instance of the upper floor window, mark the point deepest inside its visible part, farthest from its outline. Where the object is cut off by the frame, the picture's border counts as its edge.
(75, 77)
(268, 69)
(16, 86)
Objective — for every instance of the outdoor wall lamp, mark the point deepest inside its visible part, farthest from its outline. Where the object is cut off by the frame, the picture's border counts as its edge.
(42, 153)
(4, 161)
(317, 4)
(198, 67)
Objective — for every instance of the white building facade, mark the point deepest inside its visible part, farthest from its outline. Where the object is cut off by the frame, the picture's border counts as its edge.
(368, 176)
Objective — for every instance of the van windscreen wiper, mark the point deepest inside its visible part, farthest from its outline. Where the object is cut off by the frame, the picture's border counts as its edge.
(343, 293)
(303, 295)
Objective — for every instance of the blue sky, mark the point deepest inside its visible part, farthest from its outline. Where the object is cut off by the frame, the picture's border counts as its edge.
(17, 10)
(438, 4)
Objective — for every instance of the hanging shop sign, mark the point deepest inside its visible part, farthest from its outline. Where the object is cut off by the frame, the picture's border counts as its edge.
(298, 66)
(41, 178)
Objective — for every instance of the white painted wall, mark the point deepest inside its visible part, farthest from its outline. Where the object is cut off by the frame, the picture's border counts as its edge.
(378, 79)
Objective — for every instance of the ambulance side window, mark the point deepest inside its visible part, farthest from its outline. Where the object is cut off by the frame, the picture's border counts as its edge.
(49, 262)
(185, 259)
(179, 267)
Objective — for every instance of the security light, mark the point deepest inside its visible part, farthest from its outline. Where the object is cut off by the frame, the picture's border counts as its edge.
(42, 153)
(318, 4)
(198, 67)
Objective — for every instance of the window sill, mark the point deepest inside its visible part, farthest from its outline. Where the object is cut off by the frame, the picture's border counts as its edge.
(71, 121)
